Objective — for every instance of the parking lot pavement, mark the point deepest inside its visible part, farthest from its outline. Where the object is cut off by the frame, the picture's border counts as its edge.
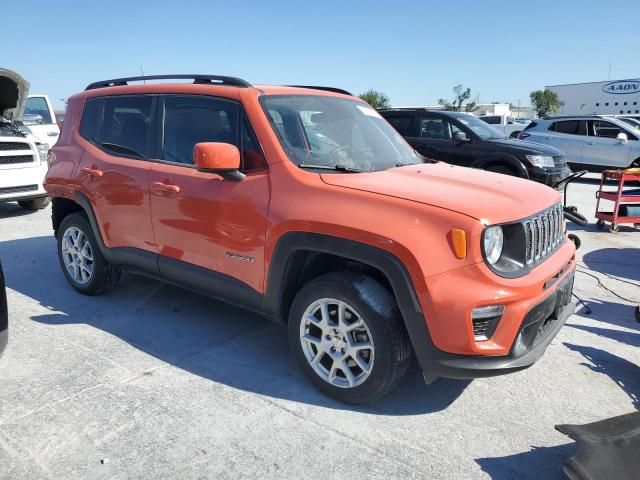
(153, 381)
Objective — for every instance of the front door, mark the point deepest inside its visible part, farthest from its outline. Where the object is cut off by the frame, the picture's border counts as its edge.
(603, 148)
(210, 230)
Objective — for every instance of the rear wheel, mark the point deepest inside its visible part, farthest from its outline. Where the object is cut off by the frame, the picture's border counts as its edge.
(35, 203)
(346, 333)
(81, 260)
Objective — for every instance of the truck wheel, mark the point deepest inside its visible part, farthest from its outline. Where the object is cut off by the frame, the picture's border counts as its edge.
(34, 204)
(81, 260)
(346, 332)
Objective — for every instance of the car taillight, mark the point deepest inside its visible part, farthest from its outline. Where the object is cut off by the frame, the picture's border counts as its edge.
(522, 135)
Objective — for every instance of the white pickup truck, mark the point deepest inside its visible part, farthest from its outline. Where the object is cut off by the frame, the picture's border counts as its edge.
(508, 125)
(23, 157)
(40, 118)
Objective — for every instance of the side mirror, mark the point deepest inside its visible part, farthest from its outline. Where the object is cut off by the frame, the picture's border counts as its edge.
(220, 158)
(622, 138)
(460, 137)
(32, 119)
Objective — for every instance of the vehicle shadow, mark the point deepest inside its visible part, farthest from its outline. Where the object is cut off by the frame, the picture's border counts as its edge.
(621, 262)
(206, 337)
(11, 209)
(614, 313)
(623, 372)
(629, 338)
(539, 462)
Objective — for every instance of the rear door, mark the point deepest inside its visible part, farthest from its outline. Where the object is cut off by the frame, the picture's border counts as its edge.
(570, 136)
(210, 231)
(41, 120)
(603, 148)
(114, 170)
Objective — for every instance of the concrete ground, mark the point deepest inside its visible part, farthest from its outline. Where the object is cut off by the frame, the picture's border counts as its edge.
(152, 381)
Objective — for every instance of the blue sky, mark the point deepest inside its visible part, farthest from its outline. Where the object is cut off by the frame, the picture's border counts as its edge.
(413, 51)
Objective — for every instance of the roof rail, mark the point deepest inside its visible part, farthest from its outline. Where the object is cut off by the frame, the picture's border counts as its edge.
(199, 79)
(326, 89)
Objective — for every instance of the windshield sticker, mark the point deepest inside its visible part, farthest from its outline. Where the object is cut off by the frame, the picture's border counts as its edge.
(368, 111)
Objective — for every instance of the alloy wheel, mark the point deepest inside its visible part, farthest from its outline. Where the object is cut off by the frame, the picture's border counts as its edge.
(337, 343)
(77, 255)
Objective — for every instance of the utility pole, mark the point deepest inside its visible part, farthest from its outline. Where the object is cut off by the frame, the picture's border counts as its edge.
(609, 76)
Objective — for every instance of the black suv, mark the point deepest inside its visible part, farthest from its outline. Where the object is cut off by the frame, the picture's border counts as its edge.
(462, 139)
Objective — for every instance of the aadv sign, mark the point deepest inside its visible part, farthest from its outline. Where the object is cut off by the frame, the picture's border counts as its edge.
(622, 87)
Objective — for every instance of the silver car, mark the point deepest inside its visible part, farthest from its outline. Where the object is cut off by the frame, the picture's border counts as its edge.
(591, 142)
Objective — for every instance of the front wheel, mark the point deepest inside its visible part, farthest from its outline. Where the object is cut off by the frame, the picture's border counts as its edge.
(82, 263)
(34, 204)
(346, 332)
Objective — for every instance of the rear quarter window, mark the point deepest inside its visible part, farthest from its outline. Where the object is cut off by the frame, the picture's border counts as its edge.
(531, 125)
(90, 120)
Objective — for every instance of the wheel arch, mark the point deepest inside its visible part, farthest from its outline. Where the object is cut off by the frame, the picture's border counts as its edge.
(299, 257)
(502, 159)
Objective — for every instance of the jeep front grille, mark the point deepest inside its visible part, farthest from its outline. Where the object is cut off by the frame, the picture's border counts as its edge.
(16, 159)
(544, 232)
(21, 189)
(14, 146)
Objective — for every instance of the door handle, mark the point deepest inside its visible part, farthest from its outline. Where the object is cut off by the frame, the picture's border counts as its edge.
(52, 134)
(164, 187)
(591, 143)
(92, 172)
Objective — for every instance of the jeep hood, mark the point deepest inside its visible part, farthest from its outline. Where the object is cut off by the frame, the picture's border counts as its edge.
(13, 93)
(489, 197)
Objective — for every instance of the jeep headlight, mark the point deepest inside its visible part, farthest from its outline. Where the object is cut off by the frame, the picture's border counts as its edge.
(43, 151)
(493, 243)
(541, 160)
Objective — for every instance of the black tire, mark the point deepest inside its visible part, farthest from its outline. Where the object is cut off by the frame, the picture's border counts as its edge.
(377, 307)
(501, 168)
(35, 203)
(600, 224)
(105, 276)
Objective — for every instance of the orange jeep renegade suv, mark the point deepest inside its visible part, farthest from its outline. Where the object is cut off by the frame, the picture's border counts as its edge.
(304, 205)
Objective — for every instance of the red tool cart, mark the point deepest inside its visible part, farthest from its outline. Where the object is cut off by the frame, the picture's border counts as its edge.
(627, 202)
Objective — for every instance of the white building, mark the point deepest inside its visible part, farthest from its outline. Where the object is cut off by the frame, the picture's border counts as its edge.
(483, 109)
(612, 97)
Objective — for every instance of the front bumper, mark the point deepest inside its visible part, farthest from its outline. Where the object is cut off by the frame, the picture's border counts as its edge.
(442, 332)
(550, 176)
(538, 329)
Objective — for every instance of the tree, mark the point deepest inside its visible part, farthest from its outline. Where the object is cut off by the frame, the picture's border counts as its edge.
(377, 100)
(544, 102)
(461, 95)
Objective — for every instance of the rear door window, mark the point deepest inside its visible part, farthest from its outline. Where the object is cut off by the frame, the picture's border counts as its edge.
(570, 127)
(126, 125)
(191, 119)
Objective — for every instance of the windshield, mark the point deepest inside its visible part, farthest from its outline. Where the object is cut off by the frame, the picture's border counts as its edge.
(335, 132)
(480, 128)
(634, 124)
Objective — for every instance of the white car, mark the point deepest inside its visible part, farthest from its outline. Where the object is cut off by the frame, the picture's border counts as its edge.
(23, 158)
(510, 126)
(41, 119)
(590, 142)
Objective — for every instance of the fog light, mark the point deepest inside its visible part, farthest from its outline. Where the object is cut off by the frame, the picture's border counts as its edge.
(485, 320)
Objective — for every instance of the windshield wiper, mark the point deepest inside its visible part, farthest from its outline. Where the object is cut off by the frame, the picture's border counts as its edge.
(338, 168)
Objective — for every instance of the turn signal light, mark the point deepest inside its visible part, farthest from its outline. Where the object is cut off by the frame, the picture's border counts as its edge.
(459, 242)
